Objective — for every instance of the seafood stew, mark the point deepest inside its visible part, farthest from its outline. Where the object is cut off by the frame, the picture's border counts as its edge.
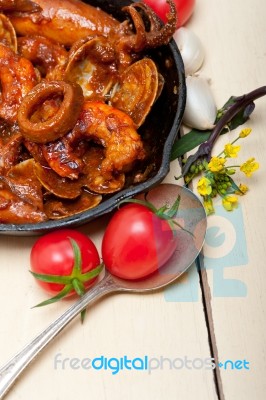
(142, 163)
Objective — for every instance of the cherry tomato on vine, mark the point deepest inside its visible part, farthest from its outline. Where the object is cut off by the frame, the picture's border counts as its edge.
(184, 9)
(64, 262)
(137, 242)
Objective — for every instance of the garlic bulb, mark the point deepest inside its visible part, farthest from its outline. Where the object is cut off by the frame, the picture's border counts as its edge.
(200, 110)
(190, 48)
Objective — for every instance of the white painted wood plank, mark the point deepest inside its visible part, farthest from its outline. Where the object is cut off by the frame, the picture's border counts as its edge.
(150, 324)
(156, 325)
(233, 34)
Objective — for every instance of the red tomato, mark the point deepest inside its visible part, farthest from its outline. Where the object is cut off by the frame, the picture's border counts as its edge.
(136, 242)
(52, 254)
(184, 9)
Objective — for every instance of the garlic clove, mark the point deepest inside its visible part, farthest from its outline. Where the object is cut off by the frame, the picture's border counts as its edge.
(200, 111)
(190, 48)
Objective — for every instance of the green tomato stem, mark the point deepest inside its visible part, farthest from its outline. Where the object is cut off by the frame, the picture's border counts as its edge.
(75, 281)
(63, 280)
(144, 203)
(87, 276)
(165, 212)
(78, 286)
(77, 257)
(66, 290)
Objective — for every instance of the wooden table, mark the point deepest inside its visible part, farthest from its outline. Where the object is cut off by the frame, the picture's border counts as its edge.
(218, 312)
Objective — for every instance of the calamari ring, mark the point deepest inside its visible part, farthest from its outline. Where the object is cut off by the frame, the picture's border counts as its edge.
(64, 119)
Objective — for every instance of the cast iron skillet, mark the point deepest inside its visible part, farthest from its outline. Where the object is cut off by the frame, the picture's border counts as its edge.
(159, 130)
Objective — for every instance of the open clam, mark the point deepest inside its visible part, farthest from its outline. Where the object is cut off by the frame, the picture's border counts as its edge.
(53, 183)
(21, 198)
(137, 91)
(157, 132)
(92, 65)
(24, 183)
(59, 208)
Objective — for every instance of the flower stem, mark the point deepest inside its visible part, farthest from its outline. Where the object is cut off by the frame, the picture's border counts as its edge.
(245, 102)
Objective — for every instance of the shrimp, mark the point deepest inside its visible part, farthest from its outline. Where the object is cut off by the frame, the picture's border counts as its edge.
(101, 124)
(17, 78)
(115, 131)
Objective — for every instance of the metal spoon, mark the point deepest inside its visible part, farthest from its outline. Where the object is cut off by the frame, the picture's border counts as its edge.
(191, 213)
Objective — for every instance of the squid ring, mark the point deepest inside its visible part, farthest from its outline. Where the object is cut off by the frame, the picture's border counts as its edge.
(61, 122)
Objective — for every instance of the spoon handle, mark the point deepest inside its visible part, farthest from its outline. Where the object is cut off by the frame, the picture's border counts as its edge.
(12, 369)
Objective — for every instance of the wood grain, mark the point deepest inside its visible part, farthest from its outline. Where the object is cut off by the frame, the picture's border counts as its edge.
(170, 324)
(233, 33)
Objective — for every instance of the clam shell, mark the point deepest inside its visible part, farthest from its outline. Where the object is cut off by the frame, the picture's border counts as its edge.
(138, 88)
(91, 65)
(58, 209)
(53, 183)
(24, 183)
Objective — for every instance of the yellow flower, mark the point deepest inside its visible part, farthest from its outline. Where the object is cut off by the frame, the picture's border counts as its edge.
(216, 164)
(245, 132)
(208, 205)
(249, 166)
(204, 186)
(230, 202)
(243, 189)
(231, 151)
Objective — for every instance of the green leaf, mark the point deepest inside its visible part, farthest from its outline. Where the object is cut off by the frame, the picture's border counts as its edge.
(195, 137)
(58, 297)
(80, 290)
(233, 188)
(83, 315)
(174, 209)
(91, 274)
(78, 286)
(144, 203)
(167, 213)
(240, 118)
(64, 280)
(162, 210)
(77, 258)
(188, 142)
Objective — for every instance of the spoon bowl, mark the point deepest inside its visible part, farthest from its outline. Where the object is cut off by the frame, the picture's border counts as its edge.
(191, 216)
